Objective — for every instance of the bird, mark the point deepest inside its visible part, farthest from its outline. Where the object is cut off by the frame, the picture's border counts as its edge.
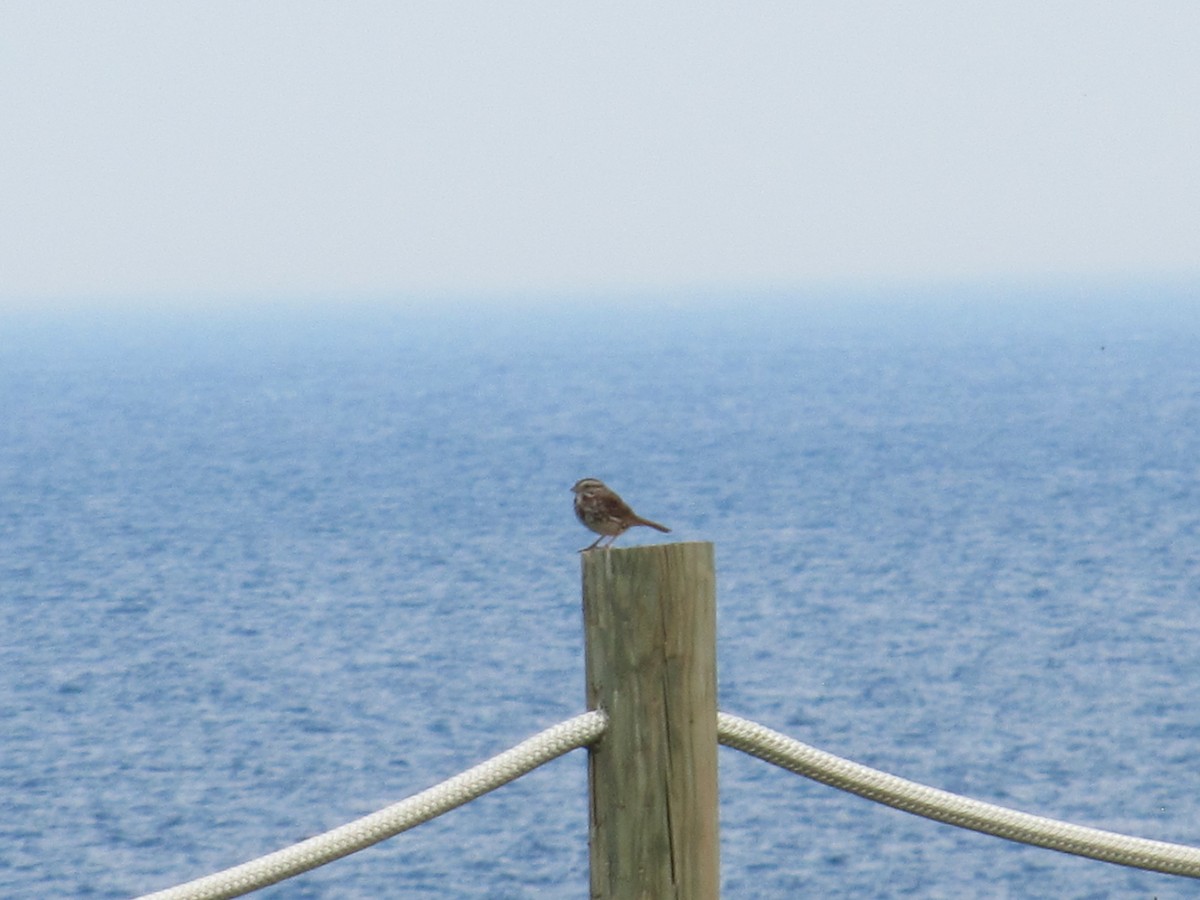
(599, 508)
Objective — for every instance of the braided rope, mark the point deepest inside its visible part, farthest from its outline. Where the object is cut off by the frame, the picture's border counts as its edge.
(942, 806)
(572, 734)
(740, 734)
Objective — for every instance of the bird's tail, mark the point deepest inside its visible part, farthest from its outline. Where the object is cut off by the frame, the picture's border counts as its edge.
(663, 528)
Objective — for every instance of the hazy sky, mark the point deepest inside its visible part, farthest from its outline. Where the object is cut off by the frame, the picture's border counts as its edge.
(181, 150)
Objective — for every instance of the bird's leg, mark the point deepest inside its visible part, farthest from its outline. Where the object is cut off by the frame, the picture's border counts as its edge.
(591, 546)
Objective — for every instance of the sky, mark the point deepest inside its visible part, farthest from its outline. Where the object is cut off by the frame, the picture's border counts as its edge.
(183, 152)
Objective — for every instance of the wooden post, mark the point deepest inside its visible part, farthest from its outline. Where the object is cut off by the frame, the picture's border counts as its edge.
(650, 636)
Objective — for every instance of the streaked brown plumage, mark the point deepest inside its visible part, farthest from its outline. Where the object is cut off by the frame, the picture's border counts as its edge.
(599, 508)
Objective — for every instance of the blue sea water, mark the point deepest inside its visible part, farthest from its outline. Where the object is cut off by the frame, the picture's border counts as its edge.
(261, 574)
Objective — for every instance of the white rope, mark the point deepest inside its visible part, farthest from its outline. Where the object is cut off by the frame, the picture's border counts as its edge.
(783, 751)
(740, 734)
(572, 734)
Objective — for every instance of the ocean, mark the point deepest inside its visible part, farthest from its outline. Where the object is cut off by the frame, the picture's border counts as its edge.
(263, 573)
